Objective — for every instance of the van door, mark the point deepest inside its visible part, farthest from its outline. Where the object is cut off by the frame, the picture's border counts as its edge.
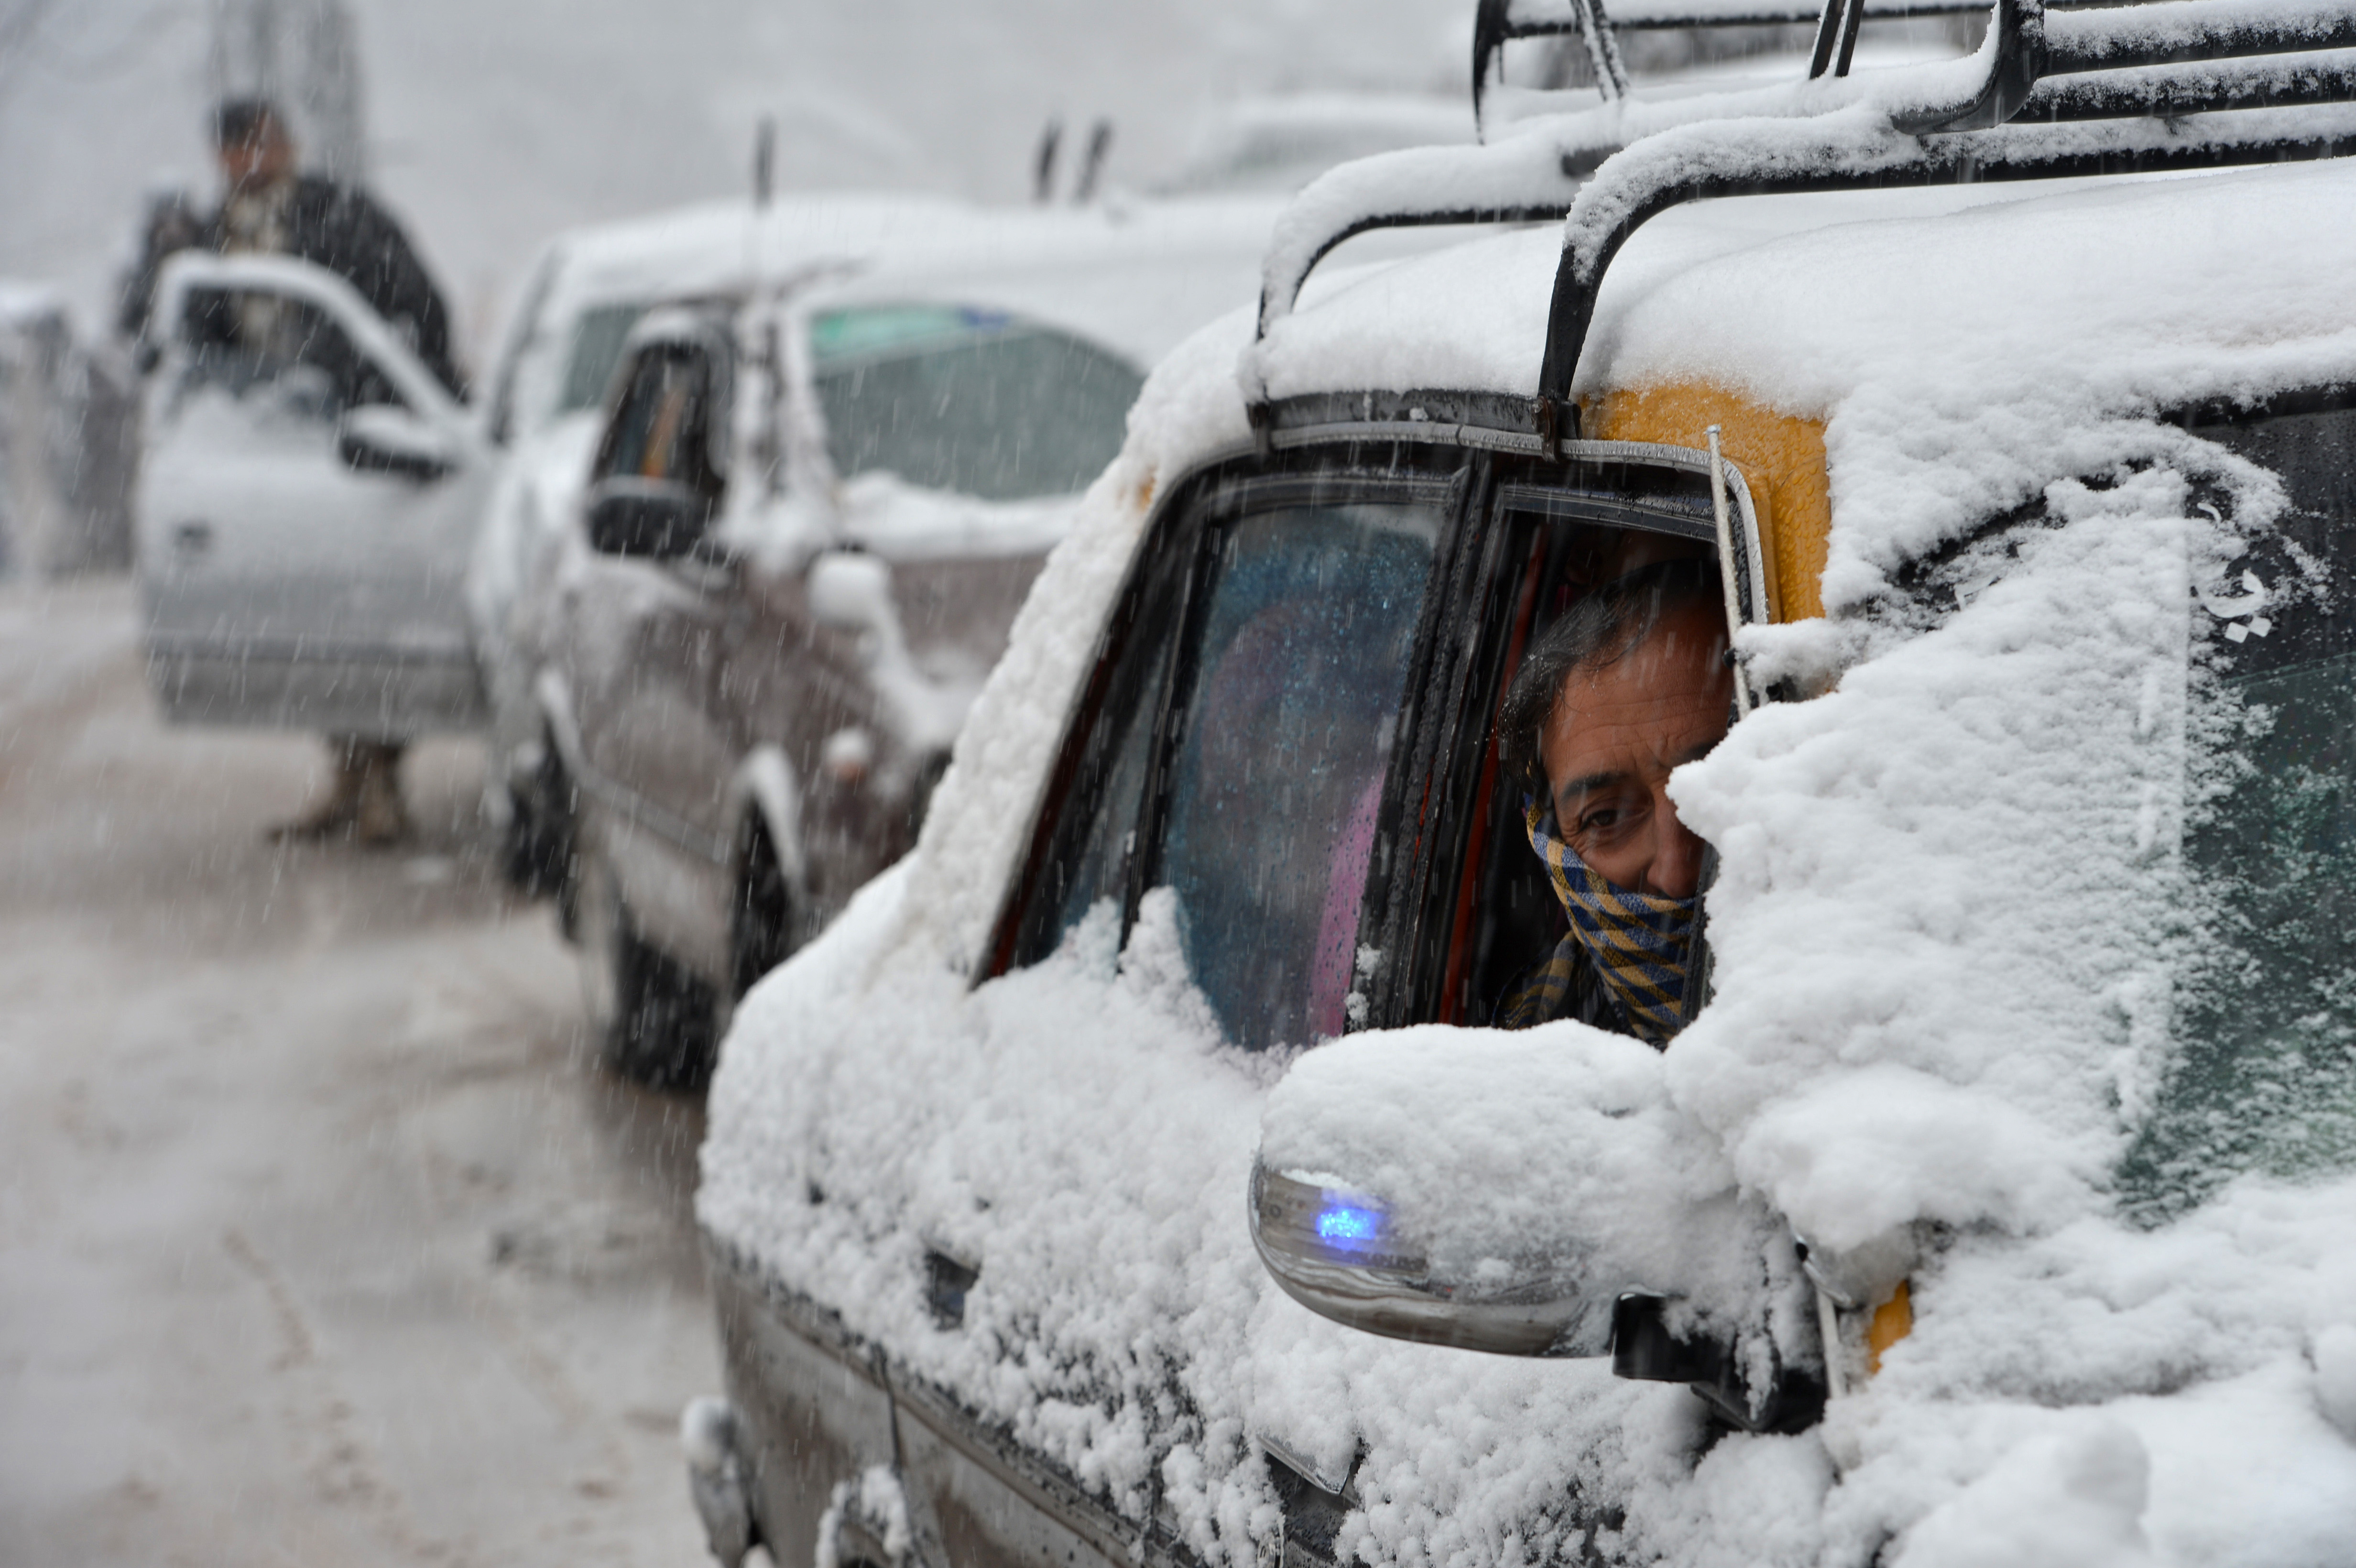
(645, 632)
(305, 512)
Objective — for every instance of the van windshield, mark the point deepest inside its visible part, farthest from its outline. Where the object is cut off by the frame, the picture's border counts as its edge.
(974, 402)
(2265, 1078)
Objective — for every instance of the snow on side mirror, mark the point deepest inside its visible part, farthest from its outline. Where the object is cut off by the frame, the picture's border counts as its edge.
(851, 593)
(1519, 1194)
(380, 438)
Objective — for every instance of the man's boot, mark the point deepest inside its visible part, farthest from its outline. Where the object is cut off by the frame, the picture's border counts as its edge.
(379, 820)
(339, 808)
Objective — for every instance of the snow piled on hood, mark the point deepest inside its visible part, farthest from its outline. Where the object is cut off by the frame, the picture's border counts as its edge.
(1947, 900)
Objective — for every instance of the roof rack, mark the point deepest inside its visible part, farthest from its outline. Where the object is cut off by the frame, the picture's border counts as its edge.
(1496, 23)
(2169, 85)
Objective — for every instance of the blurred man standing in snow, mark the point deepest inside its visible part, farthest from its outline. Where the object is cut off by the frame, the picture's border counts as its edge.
(1629, 684)
(268, 206)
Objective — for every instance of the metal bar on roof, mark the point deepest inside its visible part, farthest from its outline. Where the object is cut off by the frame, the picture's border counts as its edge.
(2174, 91)
(1835, 159)
(1852, 16)
(2172, 32)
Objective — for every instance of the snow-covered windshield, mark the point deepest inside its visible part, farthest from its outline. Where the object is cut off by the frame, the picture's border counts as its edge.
(2265, 1075)
(975, 402)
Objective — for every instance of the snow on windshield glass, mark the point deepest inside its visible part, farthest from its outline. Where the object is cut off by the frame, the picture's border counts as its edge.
(973, 402)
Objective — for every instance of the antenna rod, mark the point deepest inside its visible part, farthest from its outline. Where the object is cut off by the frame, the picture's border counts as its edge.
(1042, 172)
(1092, 164)
(1726, 575)
(765, 161)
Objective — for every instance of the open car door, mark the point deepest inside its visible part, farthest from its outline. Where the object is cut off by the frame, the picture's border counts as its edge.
(306, 511)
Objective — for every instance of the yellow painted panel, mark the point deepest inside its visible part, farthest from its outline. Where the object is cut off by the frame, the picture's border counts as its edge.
(1893, 1321)
(1782, 458)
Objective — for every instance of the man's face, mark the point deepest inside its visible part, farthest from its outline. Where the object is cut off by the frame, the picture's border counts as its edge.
(1614, 737)
(261, 159)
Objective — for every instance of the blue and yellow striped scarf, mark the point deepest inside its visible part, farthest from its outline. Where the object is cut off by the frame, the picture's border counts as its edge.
(1641, 943)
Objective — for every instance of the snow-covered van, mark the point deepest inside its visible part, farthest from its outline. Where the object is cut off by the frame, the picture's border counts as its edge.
(1990, 1196)
(805, 528)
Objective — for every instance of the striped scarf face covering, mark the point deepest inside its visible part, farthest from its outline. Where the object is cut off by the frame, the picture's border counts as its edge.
(1640, 942)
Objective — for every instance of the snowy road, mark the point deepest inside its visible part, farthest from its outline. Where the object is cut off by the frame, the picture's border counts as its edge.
(318, 1242)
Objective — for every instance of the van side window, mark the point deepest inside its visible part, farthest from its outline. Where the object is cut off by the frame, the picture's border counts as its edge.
(1235, 751)
(1094, 837)
(2264, 1075)
(1282, 743)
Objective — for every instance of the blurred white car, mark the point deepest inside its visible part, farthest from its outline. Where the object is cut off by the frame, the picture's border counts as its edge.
(546, 402)
(811, 516)
(304, 511)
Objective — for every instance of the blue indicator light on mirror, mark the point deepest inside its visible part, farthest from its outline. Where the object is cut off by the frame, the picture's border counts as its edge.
(1345, 1226)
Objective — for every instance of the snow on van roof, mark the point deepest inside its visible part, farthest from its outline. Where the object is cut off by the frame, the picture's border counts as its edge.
(2091, 302)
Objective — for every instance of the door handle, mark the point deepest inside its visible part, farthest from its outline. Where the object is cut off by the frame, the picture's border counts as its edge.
(192, 538)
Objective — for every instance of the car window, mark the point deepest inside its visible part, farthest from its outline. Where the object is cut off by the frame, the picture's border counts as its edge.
(252, 341)
(598, 335)
(1092, 844)
(1282, 743)
(1234, 748)
(974, 402)
(661, 425)
(2265, 1075)
(1501, 915)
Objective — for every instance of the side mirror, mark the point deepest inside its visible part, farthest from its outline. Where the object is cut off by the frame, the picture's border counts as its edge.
(851, 593)
(1531, 1194)
(379, 438)
(1343, 1255)
(658, 518)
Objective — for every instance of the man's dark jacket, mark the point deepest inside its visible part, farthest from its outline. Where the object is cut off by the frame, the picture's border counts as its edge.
(338, 227)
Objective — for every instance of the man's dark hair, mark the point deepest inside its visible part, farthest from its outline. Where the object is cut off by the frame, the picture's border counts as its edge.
(1597, 631)
(239, 121)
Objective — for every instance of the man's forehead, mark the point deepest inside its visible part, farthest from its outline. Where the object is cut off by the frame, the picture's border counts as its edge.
(1660, 704)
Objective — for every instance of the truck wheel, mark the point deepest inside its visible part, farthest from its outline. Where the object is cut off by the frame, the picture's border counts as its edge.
(650, 1019)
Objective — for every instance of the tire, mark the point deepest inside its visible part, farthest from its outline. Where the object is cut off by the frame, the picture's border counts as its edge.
(761, 934)
(650, 1019)
(535, 855)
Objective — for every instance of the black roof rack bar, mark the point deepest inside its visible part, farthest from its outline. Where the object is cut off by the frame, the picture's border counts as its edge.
(2097, 90)
(1494, 27)
(1835, 161)
(2171, 32)
(2173, 92)
(2152, 116)
(1527, 180)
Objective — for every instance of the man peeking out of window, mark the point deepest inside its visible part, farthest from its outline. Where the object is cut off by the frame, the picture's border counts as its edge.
(1630, 682)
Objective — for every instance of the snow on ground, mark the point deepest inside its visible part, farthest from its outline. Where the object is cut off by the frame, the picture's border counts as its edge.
(318, 1240)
